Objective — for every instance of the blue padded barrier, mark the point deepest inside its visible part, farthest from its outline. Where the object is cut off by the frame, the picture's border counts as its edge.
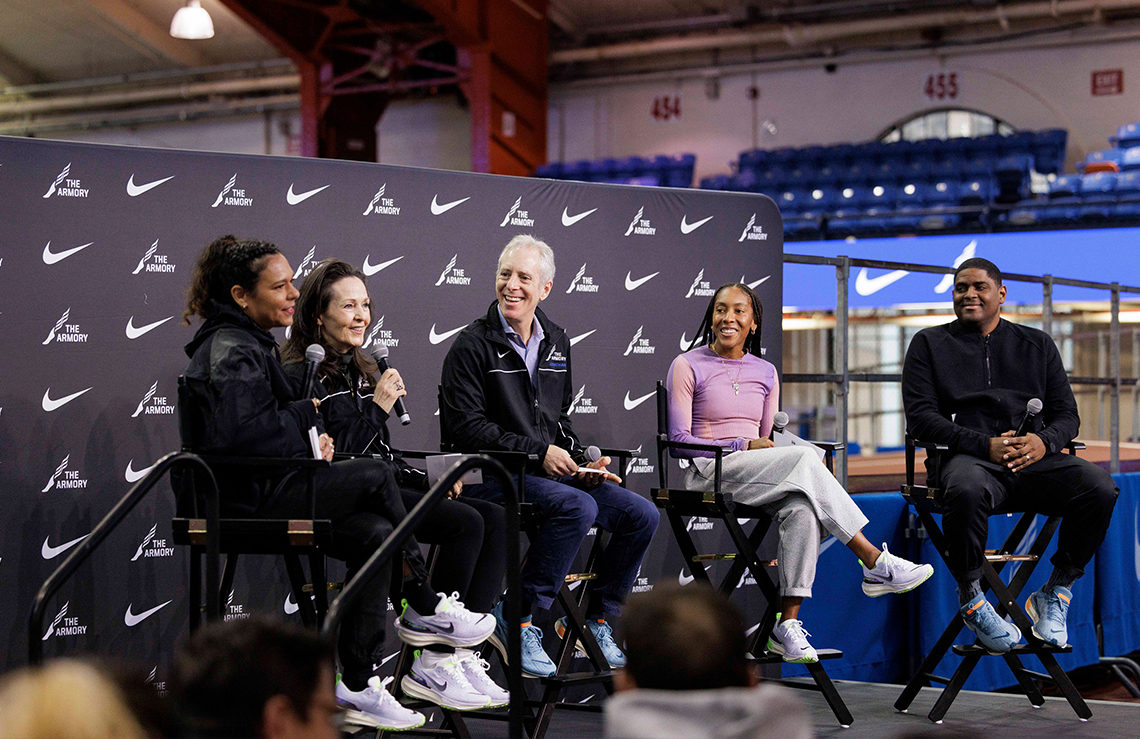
(1117, 567)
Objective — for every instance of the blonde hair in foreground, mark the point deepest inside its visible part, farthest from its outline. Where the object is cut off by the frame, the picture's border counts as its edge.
(67, 698)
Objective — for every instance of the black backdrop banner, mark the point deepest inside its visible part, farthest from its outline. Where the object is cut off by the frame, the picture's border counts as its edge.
(96, 248)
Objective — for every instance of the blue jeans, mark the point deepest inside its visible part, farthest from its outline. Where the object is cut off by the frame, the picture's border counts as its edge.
(568, 511)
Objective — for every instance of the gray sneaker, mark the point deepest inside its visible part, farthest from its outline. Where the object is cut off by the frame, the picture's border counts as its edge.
(995, 633)
(1049, 613)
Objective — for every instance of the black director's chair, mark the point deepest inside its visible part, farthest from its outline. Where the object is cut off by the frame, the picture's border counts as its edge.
(926, 501)
(721, 506)
(540, 712)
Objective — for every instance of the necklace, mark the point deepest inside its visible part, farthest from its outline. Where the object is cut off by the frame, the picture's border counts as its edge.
(735, 382)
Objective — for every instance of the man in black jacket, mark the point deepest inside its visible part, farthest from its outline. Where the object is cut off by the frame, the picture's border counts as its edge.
(506, 386)
(966, 384)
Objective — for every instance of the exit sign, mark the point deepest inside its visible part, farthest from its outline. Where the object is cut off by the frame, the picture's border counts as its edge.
(1108, 82)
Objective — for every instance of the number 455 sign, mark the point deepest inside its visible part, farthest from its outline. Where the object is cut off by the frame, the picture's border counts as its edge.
(941, 86)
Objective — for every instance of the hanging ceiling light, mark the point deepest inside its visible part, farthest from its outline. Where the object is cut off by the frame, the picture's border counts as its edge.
(192, 22)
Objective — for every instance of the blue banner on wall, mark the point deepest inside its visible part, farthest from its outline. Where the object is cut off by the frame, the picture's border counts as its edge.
(1092, 254)
(1118, 571)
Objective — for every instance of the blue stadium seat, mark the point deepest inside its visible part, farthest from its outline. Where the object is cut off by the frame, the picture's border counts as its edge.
(812, 156)
(1065, 186)
(1127, 136)
(627, 168)
(680, 171)
(976, 191)
(784, 157)
(577, 171)
(743, 181)
(858, 174)
(600, 170)
(980, 165)
(951, 166)
(1020, 142)
(822, 199)
(1011, 173)
(755, 159)
(771, 179)
(991, 146)
(716, 182)
(799, 177)
(1064, 201)
(882, 196)
(917, 170)
(929, 150)
(898, 151)
(1106, 160)
(891, 171)
(1131, 159)
(827, 175)
(1097, 200)
(1127, 195)
(853, 198)
(958, 147)
(792, 201)
(866, 154)
(1049, 151)
(839, 155)
(914, 194)
(940, 197)
(550, 170)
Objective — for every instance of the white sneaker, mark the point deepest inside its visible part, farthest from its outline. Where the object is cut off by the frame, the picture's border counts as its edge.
(437, 678)
(790, 640)
(475, 669)
(893, 574)
(376, 707)
(451, 624)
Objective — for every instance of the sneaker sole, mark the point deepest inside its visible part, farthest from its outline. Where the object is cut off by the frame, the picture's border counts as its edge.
(874, 591)
(420, 639)
(359, 718)
(779, 649)
(501, 648)
(1029, 609)
(413, 689)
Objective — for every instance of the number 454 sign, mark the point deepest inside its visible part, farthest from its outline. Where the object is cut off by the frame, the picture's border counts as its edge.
(941, 86)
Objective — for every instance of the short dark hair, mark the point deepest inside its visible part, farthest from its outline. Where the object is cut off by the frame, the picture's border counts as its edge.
(225, 262)
(984, 265)
(226, 673)
(684, 638)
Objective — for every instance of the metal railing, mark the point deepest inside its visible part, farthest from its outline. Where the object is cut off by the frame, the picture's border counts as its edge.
(395, 541)
(87, 547)
(842, 379)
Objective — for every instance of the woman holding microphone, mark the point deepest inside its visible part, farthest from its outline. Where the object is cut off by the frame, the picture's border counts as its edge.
(722, 392)
(334, 310)
(245, 405)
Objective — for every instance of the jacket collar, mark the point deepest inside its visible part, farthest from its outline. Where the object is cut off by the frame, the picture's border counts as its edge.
(957, 328)
(493, 327)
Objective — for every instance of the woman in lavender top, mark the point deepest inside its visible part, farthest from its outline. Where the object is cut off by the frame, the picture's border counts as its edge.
(722, 392)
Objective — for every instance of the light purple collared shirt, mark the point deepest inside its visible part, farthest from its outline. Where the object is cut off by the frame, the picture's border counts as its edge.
(529, 350)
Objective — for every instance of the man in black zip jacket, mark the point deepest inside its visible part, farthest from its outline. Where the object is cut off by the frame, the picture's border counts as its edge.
(966, 384)
(506, 386)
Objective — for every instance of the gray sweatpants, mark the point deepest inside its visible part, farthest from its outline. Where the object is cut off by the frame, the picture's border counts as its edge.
(793, 486)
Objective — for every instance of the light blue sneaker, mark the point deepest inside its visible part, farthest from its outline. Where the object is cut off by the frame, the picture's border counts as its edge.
(603, 634)
(995, 633)
(1049, 612)
(535, 661)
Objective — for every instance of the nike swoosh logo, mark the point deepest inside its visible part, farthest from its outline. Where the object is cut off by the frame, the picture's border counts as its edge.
(631, 284)
(569, 220)
(752, 630)
(50, 258)
(136, 475)
(870, 285)
(631, 404)
(438, 210)
(50, 405)
(291, 606)
(683, 579)
(131, 619)
(688, 228)
(134, 333)
(294, 199)
(135, 190)
(578, 338)
(50, 552)
(370, 269)
(508, 351)
(756, 284)
(685, 342)
(827, 545)
(435, 338)
(386, 660)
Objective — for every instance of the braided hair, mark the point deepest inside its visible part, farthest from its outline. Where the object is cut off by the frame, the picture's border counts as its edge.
(225, 262)
(705, 334)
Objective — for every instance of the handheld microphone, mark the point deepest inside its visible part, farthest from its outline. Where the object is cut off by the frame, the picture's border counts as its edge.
(380, 355)
(779, 423)
(593, 453)
(314, 355)
(1032, 408)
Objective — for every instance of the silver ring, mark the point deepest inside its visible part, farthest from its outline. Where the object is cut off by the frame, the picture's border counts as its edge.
(399, 386)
